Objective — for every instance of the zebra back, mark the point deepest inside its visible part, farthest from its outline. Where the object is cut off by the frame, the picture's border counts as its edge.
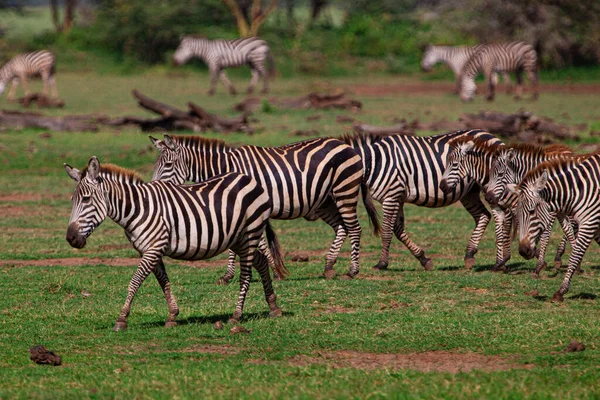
(28, 64)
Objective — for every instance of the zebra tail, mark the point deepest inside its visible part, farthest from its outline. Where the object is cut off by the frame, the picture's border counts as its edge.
(371, 210)
(271, 65)
(279, 266)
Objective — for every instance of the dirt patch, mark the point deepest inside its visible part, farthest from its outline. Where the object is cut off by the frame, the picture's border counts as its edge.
(112, 262)
(338, 310)
(433, 361)
(445, 88)
(210, 349)
(476, 290)
(19, 197)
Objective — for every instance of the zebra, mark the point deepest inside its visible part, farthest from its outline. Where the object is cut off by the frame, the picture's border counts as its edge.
(187, 222)
(455, 57)
(568, 186)
(407, 169)
(38, 63)
(316, 178)
(475, 159)
(220, 54)
(504, 57)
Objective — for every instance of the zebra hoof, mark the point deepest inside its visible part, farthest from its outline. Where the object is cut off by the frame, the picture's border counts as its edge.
(579, 271)
(170, 324)
(120, 326)
(275, 313)
(498, 268)
(540, 267)
(535, 275)
(557, 298)
(223, 281)
(381, 266)
(469, 263)
(277, 277)
(557, 264)
(428, 264)
(329, 273)
(347, 277)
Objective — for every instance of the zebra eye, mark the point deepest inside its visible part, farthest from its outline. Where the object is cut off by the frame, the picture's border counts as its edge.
(531, 211)
(85, 199)
(168, 164)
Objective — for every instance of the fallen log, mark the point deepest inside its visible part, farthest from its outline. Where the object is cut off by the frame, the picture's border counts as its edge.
(74, 123)
(399, 129)
(158, 107)
(322, 101)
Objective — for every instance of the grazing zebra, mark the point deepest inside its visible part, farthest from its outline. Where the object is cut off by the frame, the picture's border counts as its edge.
(407, 169)
(316, 178)
(567, 186)
(38, 63)
(505, 57)
(455, 57)
(220, 54)
(186, 222)
(476, 160)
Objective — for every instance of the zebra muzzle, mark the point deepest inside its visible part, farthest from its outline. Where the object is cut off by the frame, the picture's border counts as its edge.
(444, 187)
(74, 238)
(491, 198)
(526, 250)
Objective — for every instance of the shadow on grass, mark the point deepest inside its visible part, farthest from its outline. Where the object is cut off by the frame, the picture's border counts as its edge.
(583, 296)
(211, 319)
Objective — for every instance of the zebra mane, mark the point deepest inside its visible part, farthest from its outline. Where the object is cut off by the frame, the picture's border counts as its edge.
(200, 142)
(480, 145)
(115, 173)
(533, 150)
(362, 138)
(556, 164)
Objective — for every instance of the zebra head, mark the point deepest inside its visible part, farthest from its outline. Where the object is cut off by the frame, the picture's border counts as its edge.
(89, 203)
(184, 51)
(457, 167)
(170, 165)
(467, 88)
(430, 58)
(502, 174)
(532, 213)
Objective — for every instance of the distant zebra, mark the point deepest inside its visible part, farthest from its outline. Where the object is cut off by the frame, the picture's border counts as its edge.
(316, 178)
(568, 186)
(220, 54)
(22, 66)
(455, 57)
(187, 222)
(506, 57)
(407, 169)
(475, 160)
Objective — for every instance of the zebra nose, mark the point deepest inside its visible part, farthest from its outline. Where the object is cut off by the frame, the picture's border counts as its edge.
(74, 238)
(444, 186)
(525, 249)
(490, 198)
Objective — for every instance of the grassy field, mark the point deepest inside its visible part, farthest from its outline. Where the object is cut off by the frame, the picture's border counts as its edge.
(405, 333)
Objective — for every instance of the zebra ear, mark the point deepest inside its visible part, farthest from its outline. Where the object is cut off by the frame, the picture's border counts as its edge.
(157, 143)
(74, 173)
(541, 182)
(512, 188)
(170, 143)
(510, 155)
(466, 147)
(93, 169)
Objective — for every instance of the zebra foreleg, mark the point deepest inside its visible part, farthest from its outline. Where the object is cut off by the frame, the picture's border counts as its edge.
(541, 262)
(246, 259)
(519, 87)
(146, 266)
(261, 263)
(227, 82)
(584, 238)
(163, 280)
(52, 82)
(400, 232)
(491, 79)
(214, 74)
(507, 82)
(13, 89)
(481, 216)
(501, 239)
(390, 213)
(329, 213)
(253, 81)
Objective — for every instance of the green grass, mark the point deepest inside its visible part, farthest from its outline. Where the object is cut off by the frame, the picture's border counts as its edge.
(404, 310)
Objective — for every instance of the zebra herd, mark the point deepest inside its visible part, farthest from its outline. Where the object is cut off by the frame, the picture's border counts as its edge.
(468, 61)
(239, 189)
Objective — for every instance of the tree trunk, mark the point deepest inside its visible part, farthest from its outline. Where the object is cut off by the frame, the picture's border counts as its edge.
(239, 17)
(259, 16)
(55, 16)
(316, 6)
(70, 6)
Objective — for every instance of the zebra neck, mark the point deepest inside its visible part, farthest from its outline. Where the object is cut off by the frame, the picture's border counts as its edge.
(206, 163)
(480, 172)
(122, 202)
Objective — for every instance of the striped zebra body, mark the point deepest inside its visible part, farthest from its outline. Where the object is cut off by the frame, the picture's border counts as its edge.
(407, 169)
(317, 178)
(567, 186)
(23, 66)
(506, 57)
(455, 57)
(220, 54)
(186, 222)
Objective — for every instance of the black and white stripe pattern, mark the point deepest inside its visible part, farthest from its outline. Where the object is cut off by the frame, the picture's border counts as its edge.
(186, 222)
(567, 186)
(506, 57)
(455, 57)
(220, 54)
(23, 66)
(317, 178)
(408, 169)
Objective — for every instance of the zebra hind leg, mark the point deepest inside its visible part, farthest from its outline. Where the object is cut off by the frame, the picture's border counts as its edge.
(225, 279)
(261, 264)
(246, 254)
(253, 81)
(415, 250)
(390, 212)
(227, 82)
(163, 280)
(329, 213)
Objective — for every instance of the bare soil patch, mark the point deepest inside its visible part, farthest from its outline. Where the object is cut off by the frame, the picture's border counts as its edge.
(19, 197)
(211, 349)
(112, 262)
(432, 361)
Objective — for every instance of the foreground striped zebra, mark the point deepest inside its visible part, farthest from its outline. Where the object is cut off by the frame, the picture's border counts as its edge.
(22, 66)
(481, 161)
(187, 222)
(455, 57)
(316, 178)
(220, 54)
(568, 186)
(407, 169)
(506, 57)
